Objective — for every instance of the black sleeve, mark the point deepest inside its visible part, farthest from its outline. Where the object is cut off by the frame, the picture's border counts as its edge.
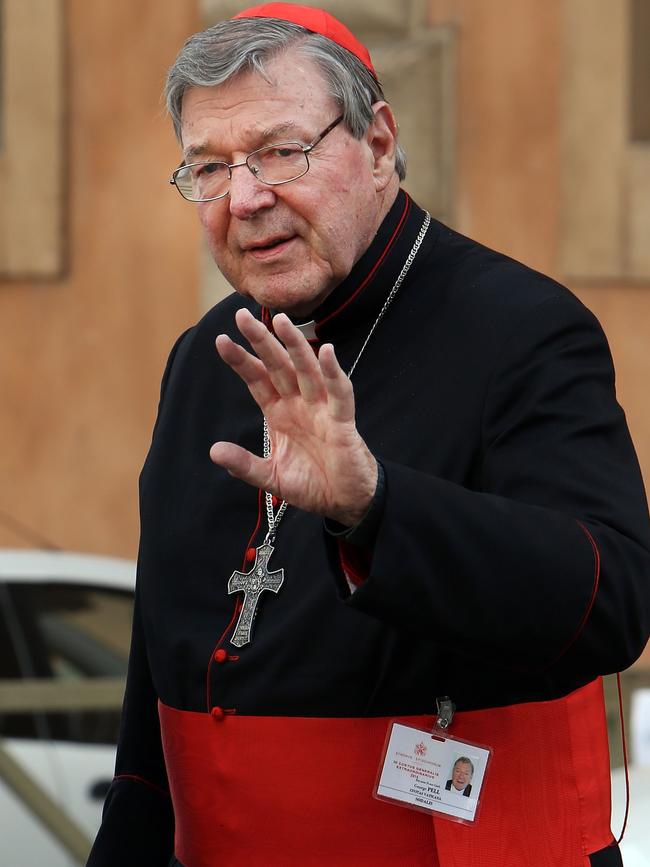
(138, 821)
(545, 563)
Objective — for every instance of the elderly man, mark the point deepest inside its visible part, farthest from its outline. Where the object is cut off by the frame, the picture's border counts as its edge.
(461, 777)
(409, 432)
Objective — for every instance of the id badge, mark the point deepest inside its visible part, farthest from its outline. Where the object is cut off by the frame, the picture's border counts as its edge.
(433, 772)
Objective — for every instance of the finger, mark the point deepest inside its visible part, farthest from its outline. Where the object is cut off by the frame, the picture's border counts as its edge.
(243, 464)
(249, 368)
(340, 395)
(308, 372)
(270, 352)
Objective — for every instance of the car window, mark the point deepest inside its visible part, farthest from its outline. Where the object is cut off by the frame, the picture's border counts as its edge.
(65, 632)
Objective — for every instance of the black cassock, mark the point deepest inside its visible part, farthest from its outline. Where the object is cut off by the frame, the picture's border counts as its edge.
(511, 559)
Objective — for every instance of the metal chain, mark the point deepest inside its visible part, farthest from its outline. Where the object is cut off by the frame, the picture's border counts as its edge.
(393, 292)
(274, 519)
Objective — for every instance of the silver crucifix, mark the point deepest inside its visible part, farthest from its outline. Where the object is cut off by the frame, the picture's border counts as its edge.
(251, 584)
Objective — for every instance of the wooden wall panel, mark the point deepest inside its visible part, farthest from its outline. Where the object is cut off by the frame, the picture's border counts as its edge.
(593, 127)
(507, 135)
(32, 158)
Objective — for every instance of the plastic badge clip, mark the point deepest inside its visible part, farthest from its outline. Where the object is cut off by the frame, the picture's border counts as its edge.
(446, 709)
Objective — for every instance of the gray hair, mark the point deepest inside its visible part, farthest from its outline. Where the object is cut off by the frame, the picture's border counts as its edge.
(231, 47)
(463, 760)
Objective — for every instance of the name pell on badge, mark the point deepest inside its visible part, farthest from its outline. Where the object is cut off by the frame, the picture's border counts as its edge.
(434, 774)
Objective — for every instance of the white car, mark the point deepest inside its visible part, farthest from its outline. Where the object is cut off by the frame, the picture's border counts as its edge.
(65, 626)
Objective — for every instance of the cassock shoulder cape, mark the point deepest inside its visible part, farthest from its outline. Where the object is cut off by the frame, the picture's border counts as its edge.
(510, 570)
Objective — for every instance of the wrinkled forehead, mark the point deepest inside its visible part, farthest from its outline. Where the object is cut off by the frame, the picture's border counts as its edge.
(289, 76)
(250, 109)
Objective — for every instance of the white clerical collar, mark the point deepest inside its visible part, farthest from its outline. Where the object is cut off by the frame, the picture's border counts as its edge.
(308, 329)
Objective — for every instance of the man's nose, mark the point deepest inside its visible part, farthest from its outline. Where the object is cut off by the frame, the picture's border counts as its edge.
(248, 195)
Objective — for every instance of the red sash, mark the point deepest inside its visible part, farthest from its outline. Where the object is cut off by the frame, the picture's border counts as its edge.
(546, 801)
(279, 791)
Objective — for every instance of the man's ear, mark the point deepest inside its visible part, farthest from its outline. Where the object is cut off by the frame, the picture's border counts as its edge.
(382, 140)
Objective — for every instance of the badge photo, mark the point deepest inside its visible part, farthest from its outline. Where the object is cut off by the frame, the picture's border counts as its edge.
(432, 772)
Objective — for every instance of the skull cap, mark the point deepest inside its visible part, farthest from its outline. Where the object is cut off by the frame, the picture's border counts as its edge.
(316, 21)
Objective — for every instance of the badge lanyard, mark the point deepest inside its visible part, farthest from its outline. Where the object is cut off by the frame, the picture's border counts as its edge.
(433, 771)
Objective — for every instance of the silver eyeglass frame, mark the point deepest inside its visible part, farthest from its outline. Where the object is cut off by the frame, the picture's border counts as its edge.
(306, 149)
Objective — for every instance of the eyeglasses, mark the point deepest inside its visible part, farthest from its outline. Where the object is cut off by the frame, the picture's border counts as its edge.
(274, 164)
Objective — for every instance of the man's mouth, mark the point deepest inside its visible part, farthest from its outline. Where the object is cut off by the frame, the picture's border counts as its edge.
(267, 247)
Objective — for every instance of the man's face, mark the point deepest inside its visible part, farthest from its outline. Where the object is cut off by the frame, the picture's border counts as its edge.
(285, 246)
(461, 775)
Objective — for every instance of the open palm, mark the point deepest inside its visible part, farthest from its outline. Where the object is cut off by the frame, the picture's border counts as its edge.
(318, 460)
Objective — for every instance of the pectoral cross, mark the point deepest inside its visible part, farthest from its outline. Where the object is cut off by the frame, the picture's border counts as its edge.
(252, 584)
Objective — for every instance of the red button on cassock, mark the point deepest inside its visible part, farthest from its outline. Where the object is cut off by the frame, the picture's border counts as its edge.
(217, 713)
(250, 554)
(220, 655)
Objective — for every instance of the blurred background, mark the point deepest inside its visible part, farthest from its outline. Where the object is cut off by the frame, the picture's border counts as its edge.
(527, 127)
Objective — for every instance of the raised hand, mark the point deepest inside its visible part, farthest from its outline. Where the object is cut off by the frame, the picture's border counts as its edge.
(318, 460)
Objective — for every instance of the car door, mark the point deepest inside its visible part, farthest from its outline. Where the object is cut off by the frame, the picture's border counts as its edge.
(71, 640)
